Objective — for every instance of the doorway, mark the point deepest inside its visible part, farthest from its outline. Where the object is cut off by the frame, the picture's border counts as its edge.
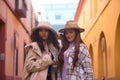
(102, 58)
(91, 55)
(2, 50)
(117, 50)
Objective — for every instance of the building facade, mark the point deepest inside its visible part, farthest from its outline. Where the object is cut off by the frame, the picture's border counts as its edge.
(16, 21)
(101, 21)
(59, 13)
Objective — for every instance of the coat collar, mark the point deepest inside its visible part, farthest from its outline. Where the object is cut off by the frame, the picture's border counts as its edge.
(35, 48)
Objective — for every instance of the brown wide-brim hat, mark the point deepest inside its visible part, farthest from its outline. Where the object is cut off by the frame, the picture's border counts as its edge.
(45, 25)
(71, 24)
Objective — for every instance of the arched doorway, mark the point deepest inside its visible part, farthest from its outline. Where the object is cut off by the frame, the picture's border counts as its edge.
(117, 50)
(91, 54)
(102, 58)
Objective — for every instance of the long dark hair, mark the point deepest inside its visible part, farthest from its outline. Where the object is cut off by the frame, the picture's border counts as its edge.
(65, 45)
(52, 38)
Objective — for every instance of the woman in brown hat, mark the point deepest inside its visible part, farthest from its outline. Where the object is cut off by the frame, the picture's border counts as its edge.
(41, 53)
(74, 62)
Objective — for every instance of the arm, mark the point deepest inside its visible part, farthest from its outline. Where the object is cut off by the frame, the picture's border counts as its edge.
(86, 63)
(35, 63)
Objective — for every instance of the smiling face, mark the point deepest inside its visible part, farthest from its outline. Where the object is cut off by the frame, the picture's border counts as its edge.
(44, 34)
(70, 35)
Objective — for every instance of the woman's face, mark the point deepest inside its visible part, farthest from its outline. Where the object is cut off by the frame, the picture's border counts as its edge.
(70, 35)
(44, 34)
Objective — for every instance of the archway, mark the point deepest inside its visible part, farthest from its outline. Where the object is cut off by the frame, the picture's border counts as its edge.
(117, 50)
(102, 58)
(91, 54)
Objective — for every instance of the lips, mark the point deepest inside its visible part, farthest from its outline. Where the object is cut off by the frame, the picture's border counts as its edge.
(68, 37)
(44, 37)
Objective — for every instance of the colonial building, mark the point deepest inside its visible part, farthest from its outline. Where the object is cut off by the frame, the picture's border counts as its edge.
(101, 21)
(16, 20)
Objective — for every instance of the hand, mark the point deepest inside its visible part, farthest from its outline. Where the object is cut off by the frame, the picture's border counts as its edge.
(54, 61)
(52, 57)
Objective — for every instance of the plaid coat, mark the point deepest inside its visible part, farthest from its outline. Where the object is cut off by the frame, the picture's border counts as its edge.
(83, 70)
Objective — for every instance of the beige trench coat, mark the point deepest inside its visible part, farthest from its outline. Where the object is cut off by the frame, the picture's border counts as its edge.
(36, 65)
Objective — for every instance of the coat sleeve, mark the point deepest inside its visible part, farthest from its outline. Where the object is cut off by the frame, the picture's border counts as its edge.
(86, 63)
(34, 63)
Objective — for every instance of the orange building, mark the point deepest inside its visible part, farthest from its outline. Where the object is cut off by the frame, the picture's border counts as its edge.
(16, 20)
(101, 20)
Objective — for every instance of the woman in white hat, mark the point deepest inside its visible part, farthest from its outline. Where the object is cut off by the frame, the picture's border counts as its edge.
(74, 62)
(41, 53)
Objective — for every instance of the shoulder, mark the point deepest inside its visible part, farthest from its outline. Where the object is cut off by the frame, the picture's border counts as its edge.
(84, 50)
(32, 45)
(83, 47)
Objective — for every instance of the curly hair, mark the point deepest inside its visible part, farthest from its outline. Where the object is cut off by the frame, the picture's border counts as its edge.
(52, 38)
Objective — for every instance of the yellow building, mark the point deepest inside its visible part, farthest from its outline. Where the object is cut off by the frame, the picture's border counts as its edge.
(101, 20)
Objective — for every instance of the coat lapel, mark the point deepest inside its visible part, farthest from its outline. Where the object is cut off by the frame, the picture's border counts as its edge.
(35, 48)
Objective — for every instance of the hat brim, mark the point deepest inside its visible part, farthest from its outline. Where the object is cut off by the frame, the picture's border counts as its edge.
(63, 30)
(45, 27)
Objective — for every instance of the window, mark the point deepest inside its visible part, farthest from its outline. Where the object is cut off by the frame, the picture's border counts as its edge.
(20, 8)
(57, 17)
(15, 55)
(24, 52)
(47, 17)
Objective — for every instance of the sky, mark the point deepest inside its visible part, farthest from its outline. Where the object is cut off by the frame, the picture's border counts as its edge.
(50, 15)
(54, 1)
(37, 4)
